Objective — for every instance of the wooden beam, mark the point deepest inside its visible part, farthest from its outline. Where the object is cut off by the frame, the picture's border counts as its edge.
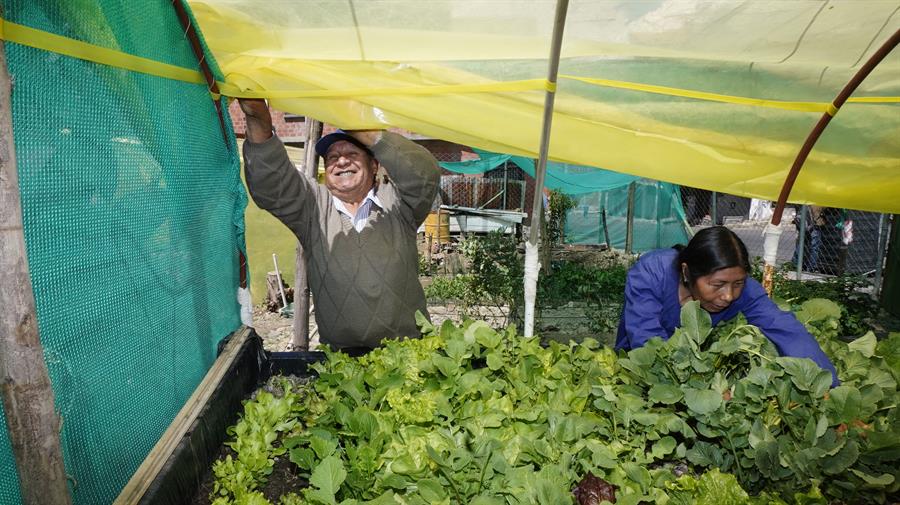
(300, 340)
(27, 393)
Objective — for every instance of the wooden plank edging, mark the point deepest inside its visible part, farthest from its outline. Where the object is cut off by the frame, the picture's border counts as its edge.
(146, 473)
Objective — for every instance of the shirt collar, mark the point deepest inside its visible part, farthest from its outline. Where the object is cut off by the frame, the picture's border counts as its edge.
(339, 205)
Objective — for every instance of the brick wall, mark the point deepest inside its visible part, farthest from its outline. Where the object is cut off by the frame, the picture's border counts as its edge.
(289, 127)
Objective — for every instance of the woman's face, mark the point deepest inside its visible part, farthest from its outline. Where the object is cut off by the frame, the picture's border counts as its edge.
(716, 291)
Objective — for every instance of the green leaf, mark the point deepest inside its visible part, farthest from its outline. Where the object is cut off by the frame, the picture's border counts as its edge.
(818, 309)
(665, 393)
(806, 375)
(447, 366)
(302, 457)
(601, 454)
(486, 500)
(327, 479)
(406, 465)
(663, 447)
(480, 332)
(717, 488)
(759, 433)
(695, 321)
(550, 493)
(843, 404)
(457, 349)
(767, 460)
(841, 461)
(705, 454)
(494, 361)
(702, 401)
(423, 323)
(431, 490)
(637, 473)
(363, 422)
(882, 480)
(322, 446)
(864, 345)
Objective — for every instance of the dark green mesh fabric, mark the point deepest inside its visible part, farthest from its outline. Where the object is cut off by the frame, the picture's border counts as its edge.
(133, 209)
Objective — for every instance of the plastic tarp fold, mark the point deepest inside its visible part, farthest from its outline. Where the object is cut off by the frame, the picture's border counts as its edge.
(717, 95)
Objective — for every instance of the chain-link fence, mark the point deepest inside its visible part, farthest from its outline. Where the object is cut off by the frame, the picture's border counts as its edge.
(503, 188)
(816, 242)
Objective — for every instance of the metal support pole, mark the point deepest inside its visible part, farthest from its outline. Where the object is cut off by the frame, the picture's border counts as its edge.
(540, 171)
(190, 31)
(814, 135)
(879, 257)
(714, 208)
(823, 122)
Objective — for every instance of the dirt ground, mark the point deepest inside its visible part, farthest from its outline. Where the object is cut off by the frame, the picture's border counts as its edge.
(277, 331)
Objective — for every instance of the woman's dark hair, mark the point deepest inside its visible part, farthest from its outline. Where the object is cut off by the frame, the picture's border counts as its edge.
(710, 250)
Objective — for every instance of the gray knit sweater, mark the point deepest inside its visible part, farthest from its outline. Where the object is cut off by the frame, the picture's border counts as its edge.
(365, 285)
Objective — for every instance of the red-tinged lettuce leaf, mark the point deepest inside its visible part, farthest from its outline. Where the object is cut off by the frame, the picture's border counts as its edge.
(592, 490)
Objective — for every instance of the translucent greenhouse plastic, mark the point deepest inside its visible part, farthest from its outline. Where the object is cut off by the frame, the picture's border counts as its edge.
(714, 95)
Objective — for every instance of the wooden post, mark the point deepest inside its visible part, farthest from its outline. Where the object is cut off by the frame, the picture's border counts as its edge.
(27, 394)
(605, 227)
(300, 340)
(274, 286)
(438, 226)
(629, 220)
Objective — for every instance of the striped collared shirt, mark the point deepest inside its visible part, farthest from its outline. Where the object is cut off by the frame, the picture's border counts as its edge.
(362, 213)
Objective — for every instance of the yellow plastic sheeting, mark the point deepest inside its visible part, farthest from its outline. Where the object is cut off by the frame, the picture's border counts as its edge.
(471, 72)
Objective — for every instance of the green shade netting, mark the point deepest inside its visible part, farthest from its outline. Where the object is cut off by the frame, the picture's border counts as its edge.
(133, 209)
(659, 219)
(474, 73)
(562, 177)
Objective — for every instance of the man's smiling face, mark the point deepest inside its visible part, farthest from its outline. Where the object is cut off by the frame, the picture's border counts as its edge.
(349, 171)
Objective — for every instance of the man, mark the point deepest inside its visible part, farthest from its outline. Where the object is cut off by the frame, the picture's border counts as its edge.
(358, 232)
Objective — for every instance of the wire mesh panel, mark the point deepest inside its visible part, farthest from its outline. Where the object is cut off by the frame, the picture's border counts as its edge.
(834, 241)
(482, 192)
(132, 206)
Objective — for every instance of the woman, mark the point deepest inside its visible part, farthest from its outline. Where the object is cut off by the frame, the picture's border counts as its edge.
(712, 270)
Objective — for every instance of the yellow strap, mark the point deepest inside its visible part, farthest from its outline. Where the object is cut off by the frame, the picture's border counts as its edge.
(740, 100)
(448, 89)
(874, 99)
(39, 39)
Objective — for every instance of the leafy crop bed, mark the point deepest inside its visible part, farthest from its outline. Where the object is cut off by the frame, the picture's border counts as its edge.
(468, 415)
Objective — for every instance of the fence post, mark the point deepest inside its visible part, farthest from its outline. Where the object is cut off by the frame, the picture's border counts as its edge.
(879, 265)
(505, 183)
(476, 193)
(714, 208)
(31, 419)
(629, 219)
(801, 243)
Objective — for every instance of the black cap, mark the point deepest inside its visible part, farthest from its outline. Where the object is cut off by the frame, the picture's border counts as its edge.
(325, 142)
